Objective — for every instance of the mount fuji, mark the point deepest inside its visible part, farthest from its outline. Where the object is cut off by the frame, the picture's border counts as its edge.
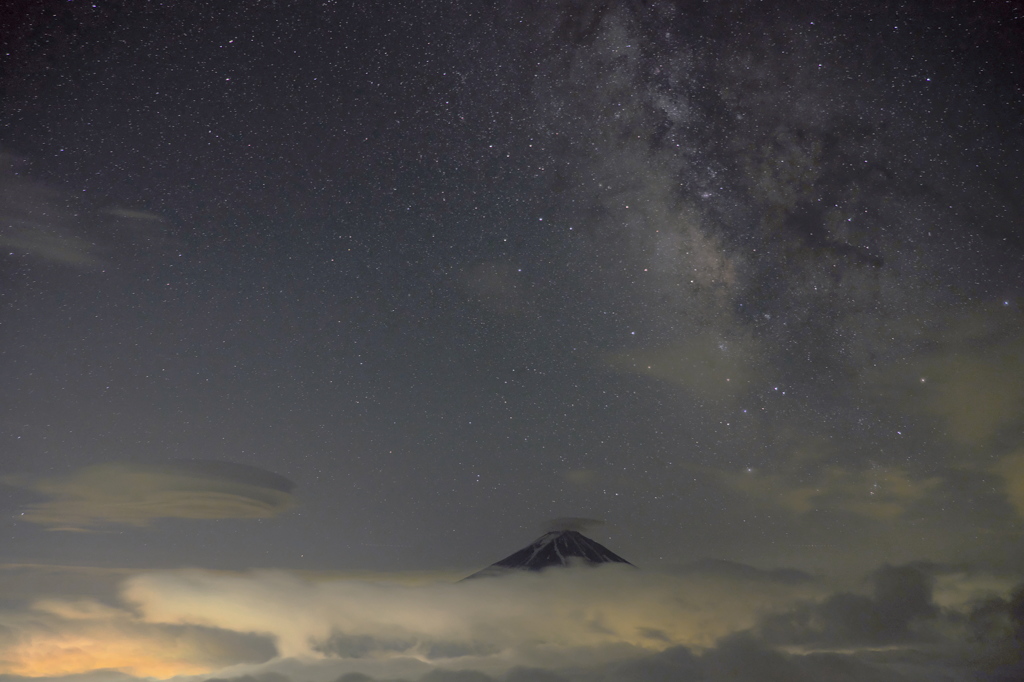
(557, 548)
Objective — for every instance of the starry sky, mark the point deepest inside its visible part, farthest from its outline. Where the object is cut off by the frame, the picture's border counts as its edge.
(300, 295)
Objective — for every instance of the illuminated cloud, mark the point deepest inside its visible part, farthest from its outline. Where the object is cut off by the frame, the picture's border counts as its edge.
(881, 493)
(717, 621)
(1011, 468)
(580, 613)
(56, 637)
(971, 378)
(132, 214)
(977, 396)
(135, 494)
(710, 366)
(38, 220)
(581, 477)
(52, 244)
(56, 226)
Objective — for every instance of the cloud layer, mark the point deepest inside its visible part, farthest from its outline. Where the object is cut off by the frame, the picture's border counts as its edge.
(714, 621)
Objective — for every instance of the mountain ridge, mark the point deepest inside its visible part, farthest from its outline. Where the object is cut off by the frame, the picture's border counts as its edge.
(557, 548)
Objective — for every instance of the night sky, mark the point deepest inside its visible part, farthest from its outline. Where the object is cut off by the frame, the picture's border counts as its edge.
(309, 309)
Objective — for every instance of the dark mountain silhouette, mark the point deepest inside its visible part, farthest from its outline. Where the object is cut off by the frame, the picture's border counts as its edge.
(557, 548)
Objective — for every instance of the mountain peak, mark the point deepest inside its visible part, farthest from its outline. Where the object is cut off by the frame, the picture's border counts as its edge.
(556, 548)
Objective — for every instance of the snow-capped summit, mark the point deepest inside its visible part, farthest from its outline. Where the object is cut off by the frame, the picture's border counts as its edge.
(557, 548)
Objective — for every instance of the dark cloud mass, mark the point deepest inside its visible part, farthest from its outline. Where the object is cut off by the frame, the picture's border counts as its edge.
(309, 310)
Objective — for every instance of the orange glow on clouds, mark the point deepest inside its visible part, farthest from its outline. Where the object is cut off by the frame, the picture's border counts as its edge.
(62, 637)
(44, 654)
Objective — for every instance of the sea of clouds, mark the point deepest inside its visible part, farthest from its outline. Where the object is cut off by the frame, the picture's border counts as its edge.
(710, 621)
